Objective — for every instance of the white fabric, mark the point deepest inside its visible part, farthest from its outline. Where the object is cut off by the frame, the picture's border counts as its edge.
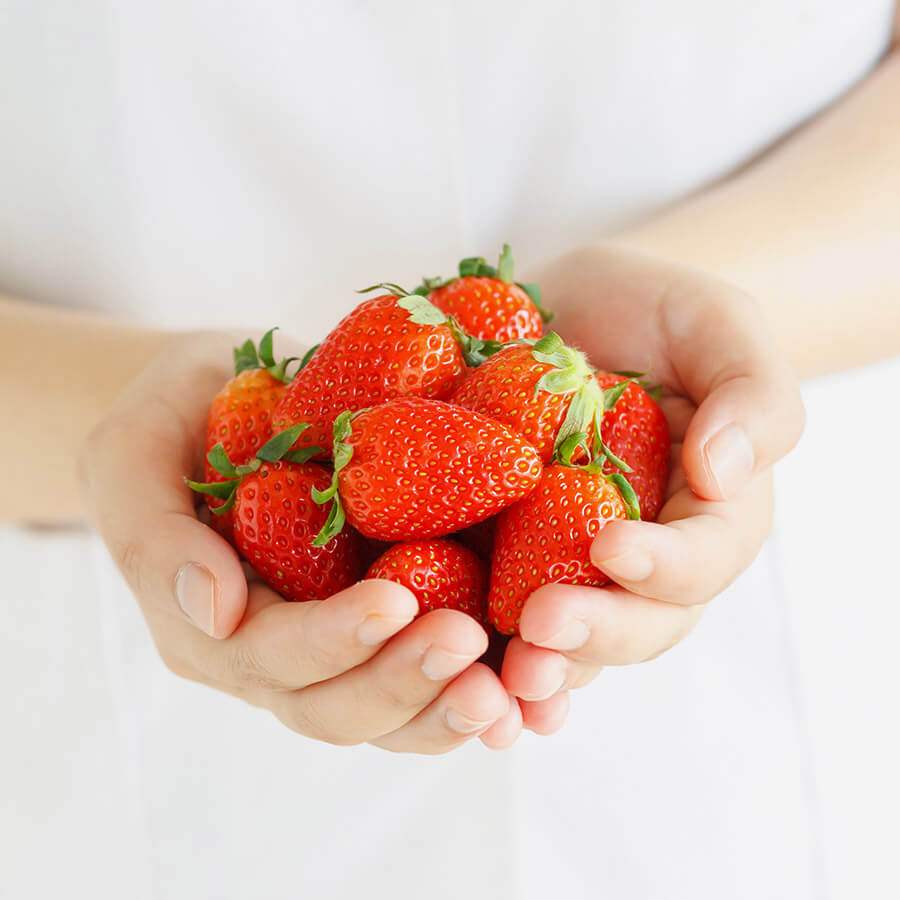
(196, 163)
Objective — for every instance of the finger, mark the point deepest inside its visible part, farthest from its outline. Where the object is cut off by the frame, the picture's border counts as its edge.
(696, 549)
(533, 673)
(132, 474)
(504, 732)
(545, 717)
(750, 412)
(384, 693)
(592, 627)
(287, 646)
(468, 707)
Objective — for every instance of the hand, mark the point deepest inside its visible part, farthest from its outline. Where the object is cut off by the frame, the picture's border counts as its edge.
(349, 669)
(733, 407)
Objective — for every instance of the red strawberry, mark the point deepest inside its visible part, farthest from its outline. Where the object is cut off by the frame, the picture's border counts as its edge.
(415, 468)
(550, 394)
(487, 303)
(511, 387)
(240, 417)
(441, 573)
(546, 538)
(390, 346)
(636, 431)
(275, 525)
(276, 520)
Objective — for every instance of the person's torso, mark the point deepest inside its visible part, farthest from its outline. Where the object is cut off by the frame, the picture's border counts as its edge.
(189, 163)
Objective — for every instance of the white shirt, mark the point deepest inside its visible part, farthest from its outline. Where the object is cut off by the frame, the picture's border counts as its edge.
(196, 163)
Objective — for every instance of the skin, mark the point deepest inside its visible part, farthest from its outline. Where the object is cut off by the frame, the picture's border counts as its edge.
(352, 668)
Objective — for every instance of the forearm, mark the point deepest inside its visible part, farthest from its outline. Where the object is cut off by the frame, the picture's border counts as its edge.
(60, 372)
(812, 229)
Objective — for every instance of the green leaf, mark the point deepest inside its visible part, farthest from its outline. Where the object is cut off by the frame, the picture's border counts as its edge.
(655, 392)
(245, 357)
(421, 310)
(301, 456)
(218, 459)
(422, 290)
(628, 373)
(470, 266)
(221, 489)
(388, 286)
(567, 448)
(476, 351)
(618, 463)
(549, 343)
(333, 524)
(277, 446)
(506, 265)
(279, 370)
(321, 497)
(632, 505)
(308, 356)
(343, 426)
(559, 381)
(343, 453)
(612, 395)
(265, 348)
(248, 469)
(578, 419)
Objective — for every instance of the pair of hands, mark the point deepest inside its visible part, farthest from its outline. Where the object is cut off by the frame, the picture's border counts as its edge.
(356, 667)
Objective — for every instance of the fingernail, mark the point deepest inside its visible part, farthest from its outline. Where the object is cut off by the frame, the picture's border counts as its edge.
(376, 629)
(572, 636)
(197, 592)
(439, 664)
(463, 724)
(635, 565)
(729, 456)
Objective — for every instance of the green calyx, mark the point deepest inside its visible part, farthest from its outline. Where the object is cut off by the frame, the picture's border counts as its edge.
(643, 379)
(478, 267)
(423, 312)
(581, 428)
(343, 453)
(278, 448)
(247, 356)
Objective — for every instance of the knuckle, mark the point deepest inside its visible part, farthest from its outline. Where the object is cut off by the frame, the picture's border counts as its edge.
(177, 666)
(616, 640)
(246, 669)
(129, 557)
(303, 716)
(386, 693)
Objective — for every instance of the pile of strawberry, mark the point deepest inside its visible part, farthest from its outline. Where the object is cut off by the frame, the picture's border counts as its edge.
(441, 434)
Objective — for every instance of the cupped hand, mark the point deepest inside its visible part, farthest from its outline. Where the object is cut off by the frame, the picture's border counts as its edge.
(734, 408)
(349, 669)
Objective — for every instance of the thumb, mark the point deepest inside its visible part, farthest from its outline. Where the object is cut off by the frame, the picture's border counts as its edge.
(132, 470)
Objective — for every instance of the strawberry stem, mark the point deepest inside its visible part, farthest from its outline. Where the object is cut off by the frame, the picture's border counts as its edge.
(276, 449)
(247, 357)
(343, 453)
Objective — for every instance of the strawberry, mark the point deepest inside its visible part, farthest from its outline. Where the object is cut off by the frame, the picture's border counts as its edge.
(393, 345)
(549, 394)
(275, 525)
(240, 416)
(546, 538)
(415, 468)
(276, 520)
(486, 301)
(441, 573)
(635, 429)
(514, 387)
